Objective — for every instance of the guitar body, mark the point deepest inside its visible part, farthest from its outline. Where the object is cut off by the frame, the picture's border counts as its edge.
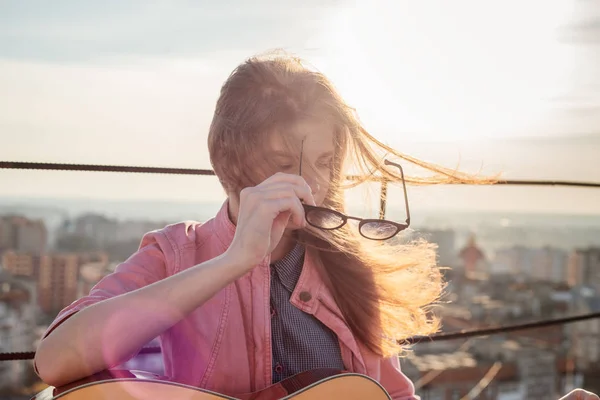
(137, 385)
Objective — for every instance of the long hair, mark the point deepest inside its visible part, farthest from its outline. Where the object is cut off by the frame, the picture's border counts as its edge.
(385, 290)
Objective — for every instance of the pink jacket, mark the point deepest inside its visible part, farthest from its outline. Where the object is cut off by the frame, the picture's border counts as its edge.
(225, 345)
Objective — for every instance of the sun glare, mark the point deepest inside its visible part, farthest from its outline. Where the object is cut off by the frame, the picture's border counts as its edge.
(449, 70)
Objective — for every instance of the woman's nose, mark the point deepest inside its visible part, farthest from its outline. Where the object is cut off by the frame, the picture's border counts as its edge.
(314, 185)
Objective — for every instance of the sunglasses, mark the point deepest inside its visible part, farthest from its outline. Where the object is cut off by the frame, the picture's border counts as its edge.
(373, 229)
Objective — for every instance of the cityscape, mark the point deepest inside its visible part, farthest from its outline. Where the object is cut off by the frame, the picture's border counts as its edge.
(506, 89)
(498, 273)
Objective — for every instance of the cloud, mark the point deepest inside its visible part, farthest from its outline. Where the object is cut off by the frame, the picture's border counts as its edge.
(584, 27)
(586, 32)
(73, 31)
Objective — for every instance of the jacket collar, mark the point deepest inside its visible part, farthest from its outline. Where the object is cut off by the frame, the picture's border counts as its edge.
(313, 296)
(224, 229)
(311, 288)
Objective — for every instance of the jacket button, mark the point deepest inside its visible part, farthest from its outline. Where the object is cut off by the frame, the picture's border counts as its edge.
(305, 296)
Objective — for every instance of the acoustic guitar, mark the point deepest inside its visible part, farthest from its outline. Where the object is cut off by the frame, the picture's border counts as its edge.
(138, 385)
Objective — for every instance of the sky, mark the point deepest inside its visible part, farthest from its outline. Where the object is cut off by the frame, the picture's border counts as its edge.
(506, 86)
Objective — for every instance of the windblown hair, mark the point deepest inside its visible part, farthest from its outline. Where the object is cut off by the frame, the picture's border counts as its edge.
(385, 290)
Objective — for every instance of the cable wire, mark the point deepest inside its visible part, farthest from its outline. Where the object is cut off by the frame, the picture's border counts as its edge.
(502, 329)
(208, 172)
(414, 340)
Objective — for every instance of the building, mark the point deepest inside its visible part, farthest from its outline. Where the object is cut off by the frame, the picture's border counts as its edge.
(101, 229)
(18, 311)
(21, 264)
(446, 242)
(22, 234)
(57, 283)
(473, 259)
(56, 275)
(495, 369)
(539, 375)
(584, 335)
(549, 264)
(455, 375)
(104, 231)
(539, 264)
(584, 267)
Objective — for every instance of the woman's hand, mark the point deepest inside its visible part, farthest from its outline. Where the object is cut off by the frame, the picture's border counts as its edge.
(265, 212)
(580, 394)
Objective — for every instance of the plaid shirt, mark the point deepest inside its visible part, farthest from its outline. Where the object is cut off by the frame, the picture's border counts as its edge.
(300, 341)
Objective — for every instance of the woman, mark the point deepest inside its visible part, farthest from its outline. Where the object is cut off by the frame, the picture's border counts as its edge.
(271, 286)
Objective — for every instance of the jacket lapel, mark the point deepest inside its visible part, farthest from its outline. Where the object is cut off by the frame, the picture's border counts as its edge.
(313, 296)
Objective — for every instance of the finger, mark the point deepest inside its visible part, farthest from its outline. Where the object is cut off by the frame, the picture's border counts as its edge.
(283, 190)
(580, 394)
(287, 204)
(584, 394)
(289, 178)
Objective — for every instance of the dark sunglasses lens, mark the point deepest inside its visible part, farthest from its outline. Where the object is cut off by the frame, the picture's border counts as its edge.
(378, 230)
(324, 219)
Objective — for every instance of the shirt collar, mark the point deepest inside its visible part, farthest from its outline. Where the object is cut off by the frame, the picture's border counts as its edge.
(289, 268)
